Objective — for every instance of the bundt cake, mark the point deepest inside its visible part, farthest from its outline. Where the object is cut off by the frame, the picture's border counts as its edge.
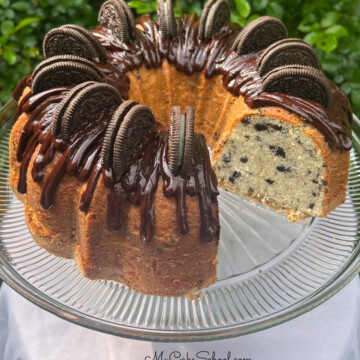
(109, 149)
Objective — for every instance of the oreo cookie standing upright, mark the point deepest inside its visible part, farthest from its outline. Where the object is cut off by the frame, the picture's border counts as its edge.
(301, 81)
(91, 41)
(124, 134)
(287, 52)
(111, 132)
(166, 16)
(181, 141)
(84, 104)
(64, 70)
(116, 16)
(73, 40)
(259, 34)
(215, 14)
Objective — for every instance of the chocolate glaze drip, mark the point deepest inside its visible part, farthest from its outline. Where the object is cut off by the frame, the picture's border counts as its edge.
(189, 55)
(139, 185)
(20, 88)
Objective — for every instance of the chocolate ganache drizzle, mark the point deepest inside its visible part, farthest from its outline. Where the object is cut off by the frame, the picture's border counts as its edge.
(80, 156)
(189, 54)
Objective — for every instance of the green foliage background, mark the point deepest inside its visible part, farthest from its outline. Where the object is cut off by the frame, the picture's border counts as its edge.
(331, 26)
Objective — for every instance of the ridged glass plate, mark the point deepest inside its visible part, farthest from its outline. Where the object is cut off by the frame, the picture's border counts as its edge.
(269, 270)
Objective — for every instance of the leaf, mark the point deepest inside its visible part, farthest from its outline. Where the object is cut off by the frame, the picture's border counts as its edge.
(329, 19)
(355, 97)
(5, 3)
(243, 7)
(7, 27)
(338, 79)
(260, 4)
(140, 6)
(21, 6)
(331, 64)
(308, 28)
(346, 87)
(44, 3)
(276, 10)
(33, 52)
(236, 18)
(3, 40)
(337, 31)
(10, 57)
(29, 41)
(313, 37)
(9, 13)
(252, 18)
(308, 8)
(6, 95)
(26, 22)
(327, 44)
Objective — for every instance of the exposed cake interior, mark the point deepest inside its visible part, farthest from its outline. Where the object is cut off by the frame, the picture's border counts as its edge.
(274, 162)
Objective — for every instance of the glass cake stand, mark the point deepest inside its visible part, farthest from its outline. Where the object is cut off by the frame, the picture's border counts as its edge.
(269, 270)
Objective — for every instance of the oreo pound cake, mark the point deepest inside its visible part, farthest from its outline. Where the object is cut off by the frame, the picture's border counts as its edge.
(109, 149)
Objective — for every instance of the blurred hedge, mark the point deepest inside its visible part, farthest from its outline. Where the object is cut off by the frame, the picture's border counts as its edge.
(331, 26)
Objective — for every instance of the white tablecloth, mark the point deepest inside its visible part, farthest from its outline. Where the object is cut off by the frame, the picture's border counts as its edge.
(329, 332)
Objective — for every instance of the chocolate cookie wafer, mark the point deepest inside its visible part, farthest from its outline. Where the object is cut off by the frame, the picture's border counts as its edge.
(84, 104)
(62, 71)
(128, 126)
(181, 140)
(64, 104)
(176, 139)
(111, 132)
(116, 16)
(259, 34)
(301, 81)
(186, 169)
(215, 14)
(166, 16)
(73, 40)
(287, 52)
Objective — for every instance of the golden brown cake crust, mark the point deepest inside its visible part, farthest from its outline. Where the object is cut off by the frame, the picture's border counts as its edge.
(169, 265)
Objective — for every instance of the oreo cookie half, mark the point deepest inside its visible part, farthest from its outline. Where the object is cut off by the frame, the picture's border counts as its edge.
(84, 104)
(72, 41)
(301, 81)
(176, 140)
(127, 128)
(64, 104)
(166, 16)
(259, 34)
(287, 52)
(100, 50)
(181, 141)
(189, 142)
(116, 16)
(62, 71)
(215, 14)
(111, 132)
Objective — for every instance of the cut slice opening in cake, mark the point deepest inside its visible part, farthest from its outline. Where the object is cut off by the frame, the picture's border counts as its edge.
(162, 89)
(275, 162)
